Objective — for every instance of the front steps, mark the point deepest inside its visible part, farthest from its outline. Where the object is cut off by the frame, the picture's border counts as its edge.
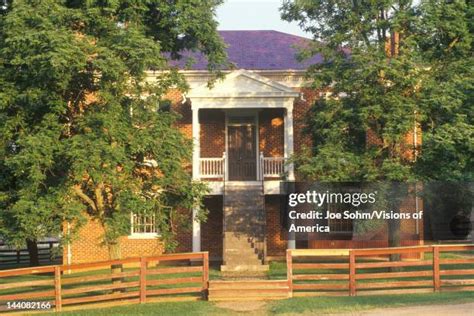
(244, 221)
(248, 290)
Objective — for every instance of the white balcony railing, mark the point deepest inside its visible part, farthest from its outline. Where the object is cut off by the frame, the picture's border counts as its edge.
(273, 166)
(270, 167)
(212, 167)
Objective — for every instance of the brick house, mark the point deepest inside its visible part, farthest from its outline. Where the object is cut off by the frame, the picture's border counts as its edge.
(244, 130)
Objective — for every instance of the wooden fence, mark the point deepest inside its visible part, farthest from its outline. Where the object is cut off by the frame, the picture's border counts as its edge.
(140, 280)
(173, 277)
(368, 271)
(47, 254)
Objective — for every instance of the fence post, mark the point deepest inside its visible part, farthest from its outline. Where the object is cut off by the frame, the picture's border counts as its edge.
(436, 275)
(205, 274)
(18, 256)
(352, 273)
(143, 263)
(289, 271)
(57, 289)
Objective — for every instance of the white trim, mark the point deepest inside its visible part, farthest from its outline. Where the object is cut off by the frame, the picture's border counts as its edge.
(276, 94)
(289, 77)
(140, 235)
(144, 236)
(249, 102)
(232, 87)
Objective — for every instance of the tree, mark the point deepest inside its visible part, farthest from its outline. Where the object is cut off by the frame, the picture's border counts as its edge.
(390, 68)
(446, 35)
(81, 129)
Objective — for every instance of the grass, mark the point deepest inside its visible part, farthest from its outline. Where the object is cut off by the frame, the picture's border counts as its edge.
(328, 305)
(173, 308)
(293, 306)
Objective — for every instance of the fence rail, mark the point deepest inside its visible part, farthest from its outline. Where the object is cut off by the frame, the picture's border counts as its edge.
(10, 256)
(364, 271)
(137, 280)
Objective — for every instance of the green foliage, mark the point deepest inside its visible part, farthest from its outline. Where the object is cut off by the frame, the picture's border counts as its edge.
(78, 123)
(386, 85)
(446, 40)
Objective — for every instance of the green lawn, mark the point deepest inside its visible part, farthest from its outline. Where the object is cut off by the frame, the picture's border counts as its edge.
(328, 305)
(307, 305)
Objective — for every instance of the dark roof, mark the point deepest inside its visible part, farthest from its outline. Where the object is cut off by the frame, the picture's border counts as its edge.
(258, 50)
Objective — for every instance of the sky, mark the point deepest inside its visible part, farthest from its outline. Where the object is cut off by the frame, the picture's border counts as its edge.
(254, 15)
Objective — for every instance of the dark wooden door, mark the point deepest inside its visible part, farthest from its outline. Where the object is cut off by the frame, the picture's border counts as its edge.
(242, 153)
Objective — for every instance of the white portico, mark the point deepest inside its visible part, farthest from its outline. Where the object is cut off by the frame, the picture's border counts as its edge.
(241, 96)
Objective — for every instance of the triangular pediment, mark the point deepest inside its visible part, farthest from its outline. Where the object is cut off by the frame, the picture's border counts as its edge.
(241, 83)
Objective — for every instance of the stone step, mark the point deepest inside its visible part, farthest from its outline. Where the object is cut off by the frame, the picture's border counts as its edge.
(242, 256)
(246, 212)
(244, 275)
(244, 267)
(248, 284)
(243, 218)
(247, 185)
(251, 203)
(254, 206)
(258, 292)
(248, 298)
(249, 289)
(232, 196)
(233, 245)
(240, 264)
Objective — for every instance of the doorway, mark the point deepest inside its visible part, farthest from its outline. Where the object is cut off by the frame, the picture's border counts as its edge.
(242, 148)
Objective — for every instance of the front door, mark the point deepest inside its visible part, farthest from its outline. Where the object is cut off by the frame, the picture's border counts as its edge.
(242, 152)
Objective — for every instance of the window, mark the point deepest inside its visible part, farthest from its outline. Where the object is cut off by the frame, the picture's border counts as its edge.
(143, 225)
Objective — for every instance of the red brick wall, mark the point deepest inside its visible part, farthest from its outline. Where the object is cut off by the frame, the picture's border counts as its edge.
(184, 234)
(88, 247)
(211, 230)
(212, 135)
(301, 112)
(271, 132)
(184, 123)
(276, 243)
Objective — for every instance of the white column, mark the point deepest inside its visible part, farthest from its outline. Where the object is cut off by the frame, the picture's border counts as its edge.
(196, 156)
(196, 232)
(290, 168)
(291, 244)
(289, 141)
(196, 144)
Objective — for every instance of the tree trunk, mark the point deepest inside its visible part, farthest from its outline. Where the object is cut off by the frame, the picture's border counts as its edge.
(398, 194)
(394, 239)
(33, 253)
(115, 254)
